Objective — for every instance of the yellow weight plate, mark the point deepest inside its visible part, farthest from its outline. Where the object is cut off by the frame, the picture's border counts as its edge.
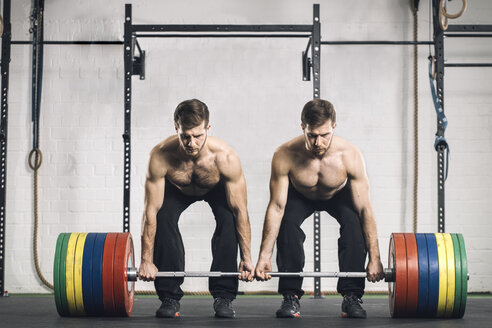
(448, 241)
(443, 275)
(72, 242)
(79, 253)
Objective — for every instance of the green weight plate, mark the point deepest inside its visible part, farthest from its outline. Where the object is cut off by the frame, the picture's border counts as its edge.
(56, 274)
(63, 282)
(464, 276)
(457, 271)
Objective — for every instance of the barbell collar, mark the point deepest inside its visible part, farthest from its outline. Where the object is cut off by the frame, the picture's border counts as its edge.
(133, 274)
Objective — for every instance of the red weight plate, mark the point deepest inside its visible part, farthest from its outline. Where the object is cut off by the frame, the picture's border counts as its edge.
(107, 274)
(400, 275)
(123, 289)
(412, 275)
(391, 284)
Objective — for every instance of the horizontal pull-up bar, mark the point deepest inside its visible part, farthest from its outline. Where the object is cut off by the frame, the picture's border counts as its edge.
(223, 35)
(222, 28)
(376, 42)
(467, 35)
(469, 28)
(468, 65)
(70, 42)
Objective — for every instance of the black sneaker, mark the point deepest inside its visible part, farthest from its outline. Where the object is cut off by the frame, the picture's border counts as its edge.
(351, 307)
(169, 308)
(223, 308)
(290, 307)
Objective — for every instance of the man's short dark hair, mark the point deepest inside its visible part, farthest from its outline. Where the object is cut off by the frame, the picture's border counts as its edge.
(191, 113)
(317, 111)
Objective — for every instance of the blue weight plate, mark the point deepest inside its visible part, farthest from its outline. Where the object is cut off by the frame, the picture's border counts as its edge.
(97, 261)
(89, 305)
(433, 275)
(423, 301)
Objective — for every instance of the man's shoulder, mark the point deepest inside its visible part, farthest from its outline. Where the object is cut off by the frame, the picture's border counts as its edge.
(219, 147)
(350, 153)
(344, 146)
(164, 148)
(293, 145)
(225, 157)
(285, 154)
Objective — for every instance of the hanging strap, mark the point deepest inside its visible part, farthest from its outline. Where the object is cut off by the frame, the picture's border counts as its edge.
(440, 143)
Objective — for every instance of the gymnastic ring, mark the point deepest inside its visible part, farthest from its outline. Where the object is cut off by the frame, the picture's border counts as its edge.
(433, 67)
(452, 16)
(38, 155)
(444, 25)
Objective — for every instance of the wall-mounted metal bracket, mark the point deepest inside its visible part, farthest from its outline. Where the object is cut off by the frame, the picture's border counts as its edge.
(306, 67)
(306, 63)
(138, 62)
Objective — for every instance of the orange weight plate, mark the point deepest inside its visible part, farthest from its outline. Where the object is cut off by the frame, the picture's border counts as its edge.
(107, 274)
(123, 289)
(412, 275)
(398, 289)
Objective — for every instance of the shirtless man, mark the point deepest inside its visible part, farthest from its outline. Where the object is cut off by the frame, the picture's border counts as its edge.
(323, 172)
(183, 169)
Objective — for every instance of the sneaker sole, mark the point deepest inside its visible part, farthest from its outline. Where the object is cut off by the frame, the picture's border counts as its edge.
(176, 315)
(295, 315)
(346, 315)
(225, 316)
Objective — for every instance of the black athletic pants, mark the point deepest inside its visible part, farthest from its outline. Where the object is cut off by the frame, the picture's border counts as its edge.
(351, 244)
(169, 254)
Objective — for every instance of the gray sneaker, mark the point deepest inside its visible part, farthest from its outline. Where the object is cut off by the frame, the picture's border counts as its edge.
(169, 308)
(223, 308)
(351, 307)
(290, 307)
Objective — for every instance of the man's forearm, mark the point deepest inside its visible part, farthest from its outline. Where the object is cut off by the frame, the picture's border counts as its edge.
(273, 218)
(371, 236)
(148, 238)
(244, 235)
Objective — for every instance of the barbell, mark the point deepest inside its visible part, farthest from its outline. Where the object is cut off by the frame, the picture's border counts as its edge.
(133, 274)
(94, 274)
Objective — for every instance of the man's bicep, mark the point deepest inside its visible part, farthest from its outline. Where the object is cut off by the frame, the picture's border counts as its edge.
(155, 183)
(279, 184)
(359, 186)
(154, 193)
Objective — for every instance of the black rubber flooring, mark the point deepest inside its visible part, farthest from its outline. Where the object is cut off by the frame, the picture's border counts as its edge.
(251, 312)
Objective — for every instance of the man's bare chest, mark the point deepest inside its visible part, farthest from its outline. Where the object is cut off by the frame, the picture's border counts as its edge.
(319, 179)
(189, 175)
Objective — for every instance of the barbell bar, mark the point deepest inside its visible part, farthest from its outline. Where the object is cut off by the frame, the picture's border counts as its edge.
(132, 274)
(94, 275)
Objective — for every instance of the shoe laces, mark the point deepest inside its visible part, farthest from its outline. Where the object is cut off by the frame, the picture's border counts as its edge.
(170, 301)
(219, 301)
(354, 300)
(290, 300)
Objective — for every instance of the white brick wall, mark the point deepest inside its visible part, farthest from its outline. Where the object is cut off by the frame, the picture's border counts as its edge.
(255, 92)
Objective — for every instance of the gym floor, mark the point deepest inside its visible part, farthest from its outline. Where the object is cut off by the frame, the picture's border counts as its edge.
(251, 311)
